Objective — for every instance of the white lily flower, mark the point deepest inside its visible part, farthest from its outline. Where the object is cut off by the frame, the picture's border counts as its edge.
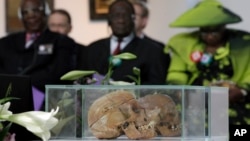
(4, 111)
(38, 122)
(120, 83)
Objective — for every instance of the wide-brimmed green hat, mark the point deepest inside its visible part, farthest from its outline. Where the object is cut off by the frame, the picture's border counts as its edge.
(206, 13)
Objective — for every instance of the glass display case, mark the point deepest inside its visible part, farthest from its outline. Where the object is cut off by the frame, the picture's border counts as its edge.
(164, 112)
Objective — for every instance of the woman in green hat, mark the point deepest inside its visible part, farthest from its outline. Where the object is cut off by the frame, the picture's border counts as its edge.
(213, 55)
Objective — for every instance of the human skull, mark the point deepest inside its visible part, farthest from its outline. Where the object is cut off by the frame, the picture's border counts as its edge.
(139, 124)
(169, 119)
(105, 115)
(119, 113)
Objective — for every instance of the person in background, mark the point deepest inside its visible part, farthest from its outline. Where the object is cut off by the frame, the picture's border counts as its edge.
(141, 20)
(60, 21)
(213, 55)
(36, 52)
(150, 58)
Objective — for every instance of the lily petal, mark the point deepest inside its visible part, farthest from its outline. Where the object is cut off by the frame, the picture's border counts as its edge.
(4, 111)
(38, 122)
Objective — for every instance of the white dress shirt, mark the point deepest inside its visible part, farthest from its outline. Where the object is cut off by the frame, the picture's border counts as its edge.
(124, 43)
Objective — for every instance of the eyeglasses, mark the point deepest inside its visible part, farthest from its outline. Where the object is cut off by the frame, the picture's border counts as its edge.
(37, 10)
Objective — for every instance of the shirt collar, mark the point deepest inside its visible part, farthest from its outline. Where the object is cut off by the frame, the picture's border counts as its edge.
(141, 36)
(29, 35)
(125, 41)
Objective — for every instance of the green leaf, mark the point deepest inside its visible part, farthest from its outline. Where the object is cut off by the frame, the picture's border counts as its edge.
(61, 124)
(125, 56)
(65, 102)
(136, 71)
(106, 78)
(8, 92)
(6, 99)
(76, 74)
(132, 78)
(4, 132)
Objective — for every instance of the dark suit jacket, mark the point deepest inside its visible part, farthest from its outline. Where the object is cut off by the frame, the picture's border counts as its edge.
(48, 58)
(80, 55)
(150, 60)
(154, 41)
(161, 45)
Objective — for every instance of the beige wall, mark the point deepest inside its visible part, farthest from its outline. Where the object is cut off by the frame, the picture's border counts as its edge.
(162, 13)
(2, 18)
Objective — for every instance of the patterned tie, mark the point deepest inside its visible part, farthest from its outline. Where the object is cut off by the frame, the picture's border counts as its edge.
(30, 38)
(118, 48)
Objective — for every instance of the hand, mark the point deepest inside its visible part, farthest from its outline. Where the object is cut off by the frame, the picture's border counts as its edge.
(10, 137)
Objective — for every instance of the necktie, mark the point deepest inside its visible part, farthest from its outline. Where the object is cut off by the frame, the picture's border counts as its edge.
(118, 47)
(30, 38)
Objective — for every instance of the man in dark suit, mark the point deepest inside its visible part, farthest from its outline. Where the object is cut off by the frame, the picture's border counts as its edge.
(36, 52)
(150, 58)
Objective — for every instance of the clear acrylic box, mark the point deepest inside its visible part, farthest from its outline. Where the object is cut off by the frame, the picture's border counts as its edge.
(203, 110)
(69, 101)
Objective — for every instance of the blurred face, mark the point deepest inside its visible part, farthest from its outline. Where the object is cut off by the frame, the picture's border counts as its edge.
(212, 35)
(33, 16)
(140, 21)
(121, 19)
(59, 23)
